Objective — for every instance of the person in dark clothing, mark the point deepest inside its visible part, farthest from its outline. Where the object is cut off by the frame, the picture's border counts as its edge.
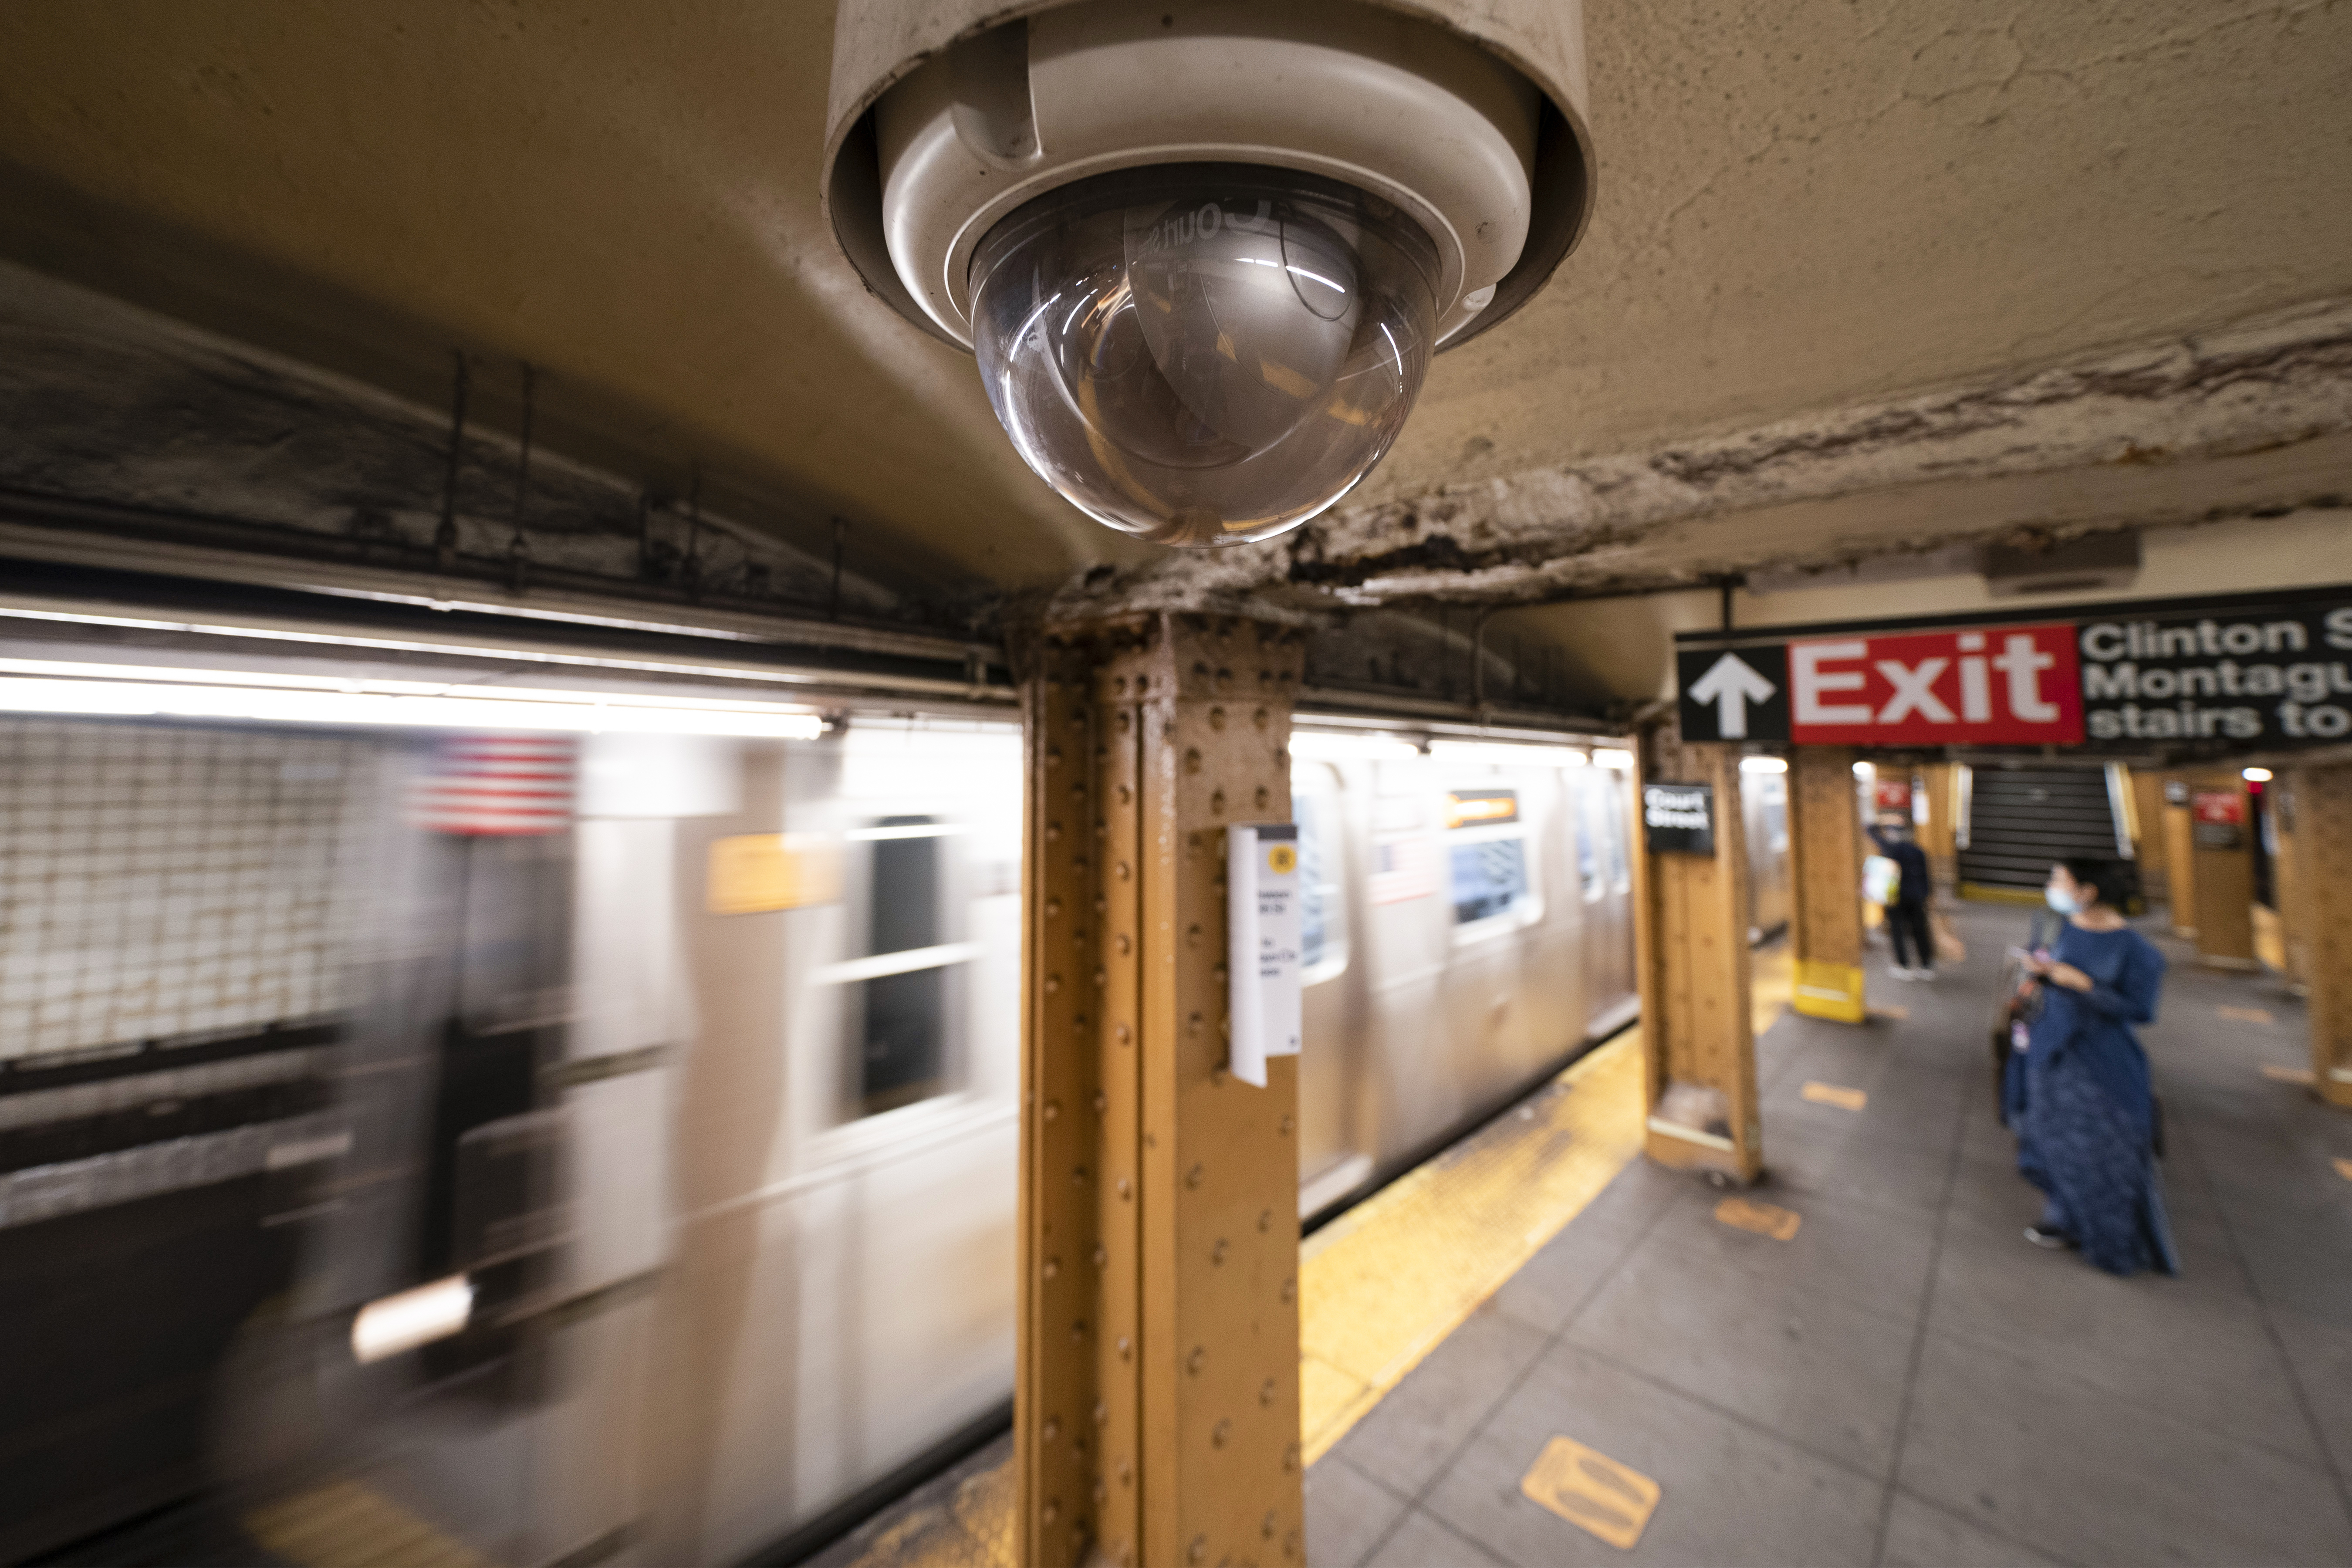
(2086, 1118)
(1907, 917)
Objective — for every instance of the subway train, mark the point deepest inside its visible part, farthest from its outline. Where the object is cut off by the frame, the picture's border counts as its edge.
(604, 1149)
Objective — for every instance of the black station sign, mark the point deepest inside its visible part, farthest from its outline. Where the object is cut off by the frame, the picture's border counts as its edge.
(2213, 674)
(1678, 818)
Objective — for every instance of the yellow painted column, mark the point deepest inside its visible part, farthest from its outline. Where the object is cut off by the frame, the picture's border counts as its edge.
(2180, 859)
(1155, 1409)
(2223, 879)
(1935, 833)
(1825, 885)
(2152, 843)
(1691, 957)
(2323, 831)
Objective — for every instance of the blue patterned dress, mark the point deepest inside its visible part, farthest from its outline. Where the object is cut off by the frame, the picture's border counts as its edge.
(2088, 1117)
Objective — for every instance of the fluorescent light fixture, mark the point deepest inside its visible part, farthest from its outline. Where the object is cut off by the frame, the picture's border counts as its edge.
(1614, 757)
(391, 1324)
(1763, 764)
(2256, 776)
(117, 690)
(1323, 746)
(1509, 753)
(448, 649)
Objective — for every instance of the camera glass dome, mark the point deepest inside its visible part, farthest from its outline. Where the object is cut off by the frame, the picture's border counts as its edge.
(1204, 354)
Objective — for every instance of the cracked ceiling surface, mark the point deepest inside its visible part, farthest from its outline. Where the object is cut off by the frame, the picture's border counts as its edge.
(1828, 235)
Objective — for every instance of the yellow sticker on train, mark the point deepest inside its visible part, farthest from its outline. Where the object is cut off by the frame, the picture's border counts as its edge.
(753, 873)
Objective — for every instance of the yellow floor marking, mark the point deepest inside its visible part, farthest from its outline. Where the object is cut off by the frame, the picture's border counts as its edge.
(344, 1523)
(2289, 1074)
(1832, 1094)
(1764, 1219)
(1382, 1285)
(1592, 1491)
(2344, 1169)
(2245, 1014)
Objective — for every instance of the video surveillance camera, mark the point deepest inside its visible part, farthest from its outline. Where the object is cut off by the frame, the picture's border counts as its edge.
(1203, 249)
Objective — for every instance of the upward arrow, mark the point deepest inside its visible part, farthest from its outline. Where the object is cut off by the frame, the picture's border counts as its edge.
(1731, 683)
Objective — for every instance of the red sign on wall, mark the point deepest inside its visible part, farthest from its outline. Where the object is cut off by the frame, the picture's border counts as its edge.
(2000, 686)
(2220, 805)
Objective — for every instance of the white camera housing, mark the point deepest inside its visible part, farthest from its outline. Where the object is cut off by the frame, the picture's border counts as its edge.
(1464, 118)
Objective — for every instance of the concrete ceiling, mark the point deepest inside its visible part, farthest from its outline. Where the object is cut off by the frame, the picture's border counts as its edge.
(1830, 236)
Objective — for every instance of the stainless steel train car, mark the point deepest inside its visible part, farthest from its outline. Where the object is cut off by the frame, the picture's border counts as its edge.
(1764, 812)
(650, 1192)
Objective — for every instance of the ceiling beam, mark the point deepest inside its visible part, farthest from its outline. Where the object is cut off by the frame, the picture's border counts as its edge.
(2253, 420)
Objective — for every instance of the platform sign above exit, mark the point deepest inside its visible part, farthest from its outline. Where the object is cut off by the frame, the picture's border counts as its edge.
(2214, 674)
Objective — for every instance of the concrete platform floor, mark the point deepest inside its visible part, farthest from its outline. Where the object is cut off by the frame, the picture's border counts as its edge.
(1908, 1381)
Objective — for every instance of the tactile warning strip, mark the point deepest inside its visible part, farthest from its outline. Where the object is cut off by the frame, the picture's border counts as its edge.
(345, 1525)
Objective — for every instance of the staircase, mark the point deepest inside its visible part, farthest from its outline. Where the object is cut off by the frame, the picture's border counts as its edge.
(2021, 820)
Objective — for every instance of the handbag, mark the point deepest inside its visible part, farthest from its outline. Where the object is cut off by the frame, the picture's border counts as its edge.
(1950, 948)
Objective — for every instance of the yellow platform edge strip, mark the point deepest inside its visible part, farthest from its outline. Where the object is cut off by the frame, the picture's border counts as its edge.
(1385, 1283)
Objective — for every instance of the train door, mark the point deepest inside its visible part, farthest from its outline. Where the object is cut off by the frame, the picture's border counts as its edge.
(1329, 1163)
(1764, 800)
(882, 1239)
(1605, 883)
(1493, 888)
(1409, 1094)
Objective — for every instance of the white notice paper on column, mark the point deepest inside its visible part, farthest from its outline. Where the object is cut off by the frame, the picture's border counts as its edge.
(1263, 931)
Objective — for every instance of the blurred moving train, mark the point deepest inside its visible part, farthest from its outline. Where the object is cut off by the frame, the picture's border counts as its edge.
(605, 1151)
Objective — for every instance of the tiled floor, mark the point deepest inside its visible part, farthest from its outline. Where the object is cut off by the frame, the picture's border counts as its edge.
(1908, 1381)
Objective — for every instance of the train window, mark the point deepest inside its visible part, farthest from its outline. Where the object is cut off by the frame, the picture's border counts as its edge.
(1486, 856)
(1323, 914)
(1592, 834)
(899, 1017)
(1620, 865)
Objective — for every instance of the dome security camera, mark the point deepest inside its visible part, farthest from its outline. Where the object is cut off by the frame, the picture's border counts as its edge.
(1203, 249)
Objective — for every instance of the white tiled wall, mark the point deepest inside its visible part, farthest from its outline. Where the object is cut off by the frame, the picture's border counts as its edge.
(158, 880)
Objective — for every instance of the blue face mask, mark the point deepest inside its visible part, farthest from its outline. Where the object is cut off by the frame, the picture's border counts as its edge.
(2062, 902)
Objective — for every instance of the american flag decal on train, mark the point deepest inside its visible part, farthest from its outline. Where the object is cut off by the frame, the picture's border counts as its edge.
(501, 784)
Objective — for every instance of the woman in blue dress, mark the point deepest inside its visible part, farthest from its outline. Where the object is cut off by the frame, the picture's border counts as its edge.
(2086, 1128)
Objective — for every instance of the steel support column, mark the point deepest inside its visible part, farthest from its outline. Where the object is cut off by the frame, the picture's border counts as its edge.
(1156, 1405)
(2223, 883)
(2322, 806)
(1691, 950)
(1825, 885)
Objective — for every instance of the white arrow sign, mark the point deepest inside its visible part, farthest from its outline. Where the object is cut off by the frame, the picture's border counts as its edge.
(1731, 683)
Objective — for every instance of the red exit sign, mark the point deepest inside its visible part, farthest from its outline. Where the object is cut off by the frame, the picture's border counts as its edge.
(1997, 686)
(2215, 673)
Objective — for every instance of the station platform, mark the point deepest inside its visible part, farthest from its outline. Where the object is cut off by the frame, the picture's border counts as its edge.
(1903, 1380)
